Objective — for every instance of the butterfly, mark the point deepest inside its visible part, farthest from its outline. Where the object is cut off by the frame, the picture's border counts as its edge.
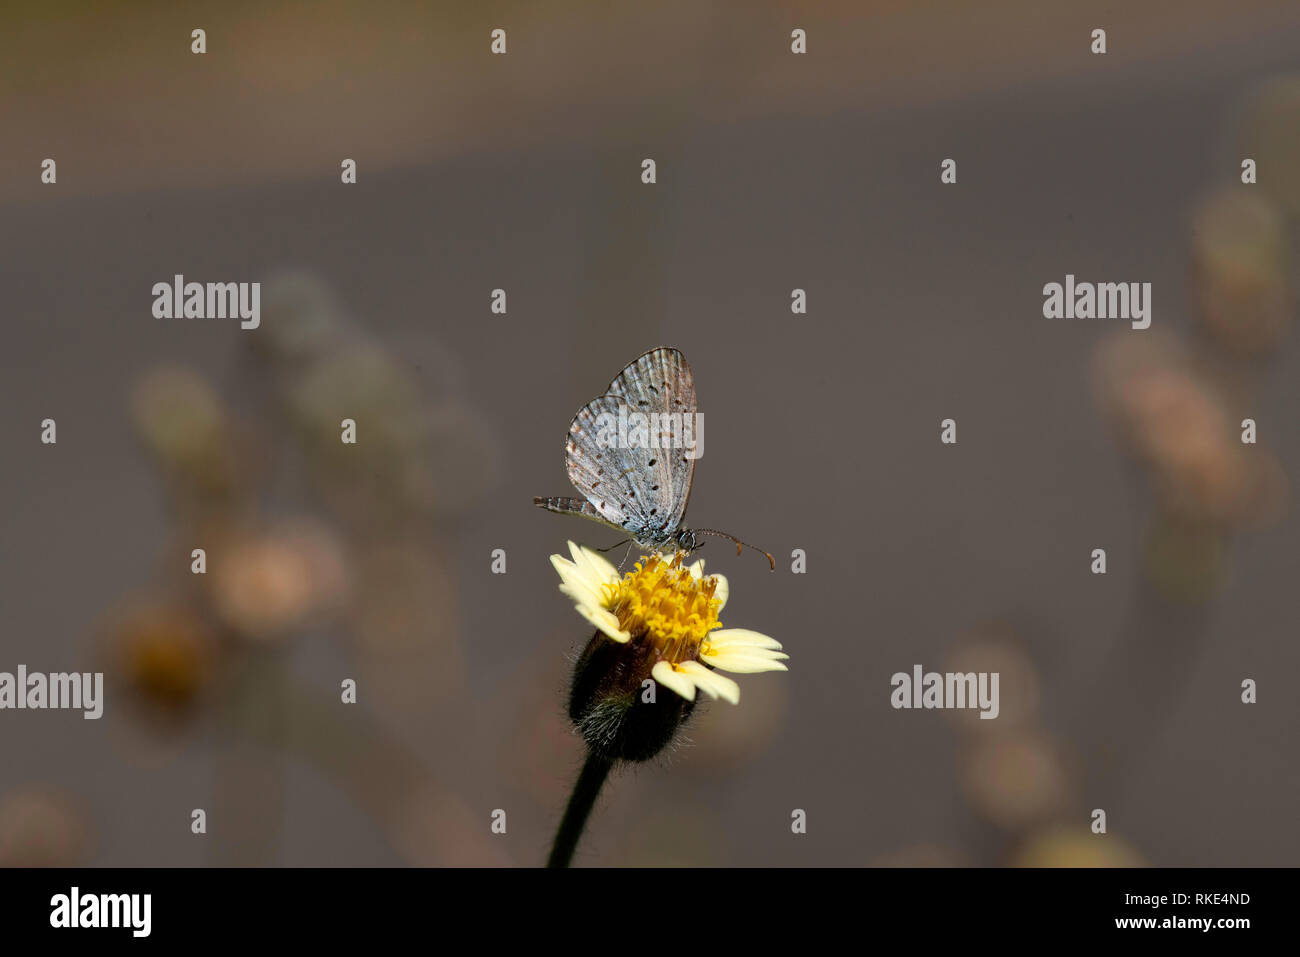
(631, 452)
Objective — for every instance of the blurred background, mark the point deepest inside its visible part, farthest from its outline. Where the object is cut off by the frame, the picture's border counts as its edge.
(775, 171)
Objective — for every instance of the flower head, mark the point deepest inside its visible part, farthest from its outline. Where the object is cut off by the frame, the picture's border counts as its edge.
(657, 625)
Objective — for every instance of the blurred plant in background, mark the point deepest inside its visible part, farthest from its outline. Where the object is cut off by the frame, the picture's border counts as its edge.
(1022, 781)
(41, 827)
(167, 655)
(360, 562)
(1240, 254)
(1179, 404)
(364, 566)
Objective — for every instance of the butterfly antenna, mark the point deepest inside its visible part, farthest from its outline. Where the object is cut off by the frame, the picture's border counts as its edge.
(739, 544)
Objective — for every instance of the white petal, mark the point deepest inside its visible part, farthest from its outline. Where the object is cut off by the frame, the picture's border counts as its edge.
(576, 551)
(572, 579)
(581, 596)
(599, 567)
(673, 680)
(606, 621)
(741, 638)
(567, 570)
(577, 584)
(758, 654)
(714, 685)
(722, 592)
(697, 569)
(593, 573)
(741, 662)
(743, 651)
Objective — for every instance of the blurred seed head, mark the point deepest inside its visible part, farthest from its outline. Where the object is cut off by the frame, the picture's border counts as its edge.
(422, 446)
(1240, 258)
(994, 647)
(165, 654)
(1270, 131)
(268, 586)
(301, 319)
(1178, 426)
(385, 477)
(1059, 846)
(182, 423)
(42, 828)
(360, 382)
(1187, 439)
(1015, 780)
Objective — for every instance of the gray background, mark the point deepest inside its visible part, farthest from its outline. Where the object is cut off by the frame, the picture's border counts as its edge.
(775, 172)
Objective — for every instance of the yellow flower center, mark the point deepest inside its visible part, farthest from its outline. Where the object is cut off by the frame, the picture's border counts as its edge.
(662, 602)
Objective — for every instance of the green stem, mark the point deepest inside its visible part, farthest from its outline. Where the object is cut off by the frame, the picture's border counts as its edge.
(594, 772)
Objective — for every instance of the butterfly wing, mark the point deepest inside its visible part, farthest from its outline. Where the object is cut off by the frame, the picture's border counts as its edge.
(641, 489)
(564, 505)
(661, 381)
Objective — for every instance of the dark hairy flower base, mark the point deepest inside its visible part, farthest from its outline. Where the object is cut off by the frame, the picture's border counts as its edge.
(608, 702)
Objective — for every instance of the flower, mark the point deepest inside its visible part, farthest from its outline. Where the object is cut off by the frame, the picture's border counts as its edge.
(657, 626)
(666, 614)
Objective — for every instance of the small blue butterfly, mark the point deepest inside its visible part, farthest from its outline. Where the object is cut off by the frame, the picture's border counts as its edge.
(636, 487)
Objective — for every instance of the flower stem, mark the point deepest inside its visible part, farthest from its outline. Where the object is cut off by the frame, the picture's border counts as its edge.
(594, 772)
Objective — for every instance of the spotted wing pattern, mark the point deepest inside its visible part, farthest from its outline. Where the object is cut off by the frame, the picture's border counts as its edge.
(641, 490)
(660, 381)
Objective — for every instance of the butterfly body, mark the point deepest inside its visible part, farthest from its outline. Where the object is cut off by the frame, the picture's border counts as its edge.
(653, 538)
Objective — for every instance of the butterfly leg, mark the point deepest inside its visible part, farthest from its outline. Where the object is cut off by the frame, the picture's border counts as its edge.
(614, 546)
(630, 543)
